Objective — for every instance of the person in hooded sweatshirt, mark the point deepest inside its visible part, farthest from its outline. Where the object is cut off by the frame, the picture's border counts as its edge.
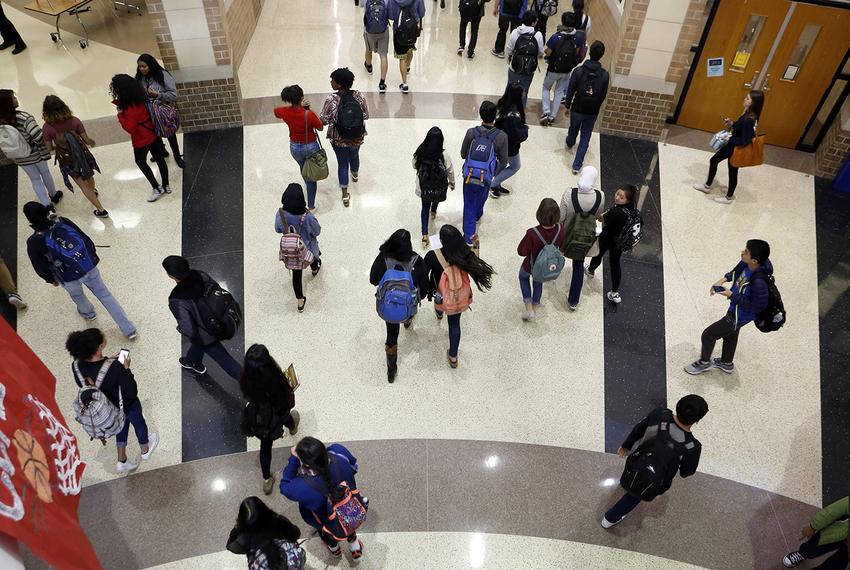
(560, 65)
(269, 540)
(294, 214)
(511, 121)
(587, 196)
(748, 297)
(585, 94)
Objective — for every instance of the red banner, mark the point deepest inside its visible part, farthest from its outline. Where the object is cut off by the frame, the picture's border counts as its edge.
(40, 466)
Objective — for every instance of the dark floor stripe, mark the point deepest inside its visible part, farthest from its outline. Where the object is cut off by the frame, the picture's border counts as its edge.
(212, 241)
(832, 215)
(9, 230)
(635, 363)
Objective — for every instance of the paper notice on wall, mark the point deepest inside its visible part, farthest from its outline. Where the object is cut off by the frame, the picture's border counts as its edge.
(715, 67)
(741, 60)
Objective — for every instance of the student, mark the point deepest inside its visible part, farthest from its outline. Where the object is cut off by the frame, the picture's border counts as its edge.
(524, 47)
(613, 223)
(10, 35)
(397, 253)
(510, 14)
(270, 405)
(59, 120)
(345, 112)
(312, 473)
(183, 303)
(303, 139)
(133, 115)
(548, 231)
(586, 92)
(376, 35)
(294, 214)
(544, 9)
(455, 252)
(71, 268)
(748, 297)
(118, 385)
(591, 201)
(743, 131)
(32, 160)
(7, 285)
(471, 12)
(564, 51)
(475, 190)
(675, 429)
(430, 157)
(582, 20)
(406, 16)
(268, 539)
(511, 121)
(826, 533)
(159, 87)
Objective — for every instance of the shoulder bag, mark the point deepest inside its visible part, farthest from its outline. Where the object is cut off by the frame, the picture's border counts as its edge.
(751, 154)
(316, 166)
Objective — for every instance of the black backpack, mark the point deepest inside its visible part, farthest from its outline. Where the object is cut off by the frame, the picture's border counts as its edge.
(565, 56)
(349, 122)
(433, 180)
(524, 59)
(632, 232)
(773, 316)
(219, 311)
(407, 27)
(588, 97)
(650, 469)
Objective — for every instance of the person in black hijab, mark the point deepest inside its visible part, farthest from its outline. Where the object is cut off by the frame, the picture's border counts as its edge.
(294, 216)
(261, 532)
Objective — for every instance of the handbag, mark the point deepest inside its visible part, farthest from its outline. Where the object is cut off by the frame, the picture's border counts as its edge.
(316, 166)
(749, 155)
(165, 117)
(719, 140)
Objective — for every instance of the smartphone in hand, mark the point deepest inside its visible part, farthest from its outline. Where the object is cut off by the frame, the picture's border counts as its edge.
(123, 355)
(718, 288)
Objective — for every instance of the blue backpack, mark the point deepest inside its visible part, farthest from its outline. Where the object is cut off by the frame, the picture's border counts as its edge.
(375, 18)
(480, 165)
(67, 253)
(397, 298)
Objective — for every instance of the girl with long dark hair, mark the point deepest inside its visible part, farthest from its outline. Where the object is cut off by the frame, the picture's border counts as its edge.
(613, 222)
(267, 538)
(312, 473)
(270, 405)
(294, 214)
(743, 131)
(511, 120)
(431, 152)
(397, 253)
(582, 19)
(455, 251)
(129, 97)
(303, 138)
(548, 231)
(159, 85)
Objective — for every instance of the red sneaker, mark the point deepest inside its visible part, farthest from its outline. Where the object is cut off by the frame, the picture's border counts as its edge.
(356, 554)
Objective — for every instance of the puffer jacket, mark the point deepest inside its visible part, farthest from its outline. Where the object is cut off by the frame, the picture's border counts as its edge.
(749, 296)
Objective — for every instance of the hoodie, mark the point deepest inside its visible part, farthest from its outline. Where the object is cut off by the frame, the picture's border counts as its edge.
(586, 194)
(749, 296)
(600, 84)
(183, 302)
(136, 120)
(394, 10)
(312, 498)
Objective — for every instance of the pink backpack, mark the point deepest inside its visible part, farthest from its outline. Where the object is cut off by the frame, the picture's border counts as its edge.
(454, 290)
(294, 253)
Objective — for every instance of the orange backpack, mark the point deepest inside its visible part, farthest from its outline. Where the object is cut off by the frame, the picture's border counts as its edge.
(454, 293)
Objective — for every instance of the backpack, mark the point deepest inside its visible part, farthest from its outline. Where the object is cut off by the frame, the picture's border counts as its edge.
(565, 56)
(548, 7)
(99, 417)
(72, 152)
(397, 298)
(469, 9)
(407, 26)
(375, 18)
(581, 229)
(454, 292)
(347, 514)
(219, 311)
(588, 96)
(433, 180)
(512, 7)
(263, 420)
(652, 466)
(349, 118)
(480, 165)
(67, 252)
(291, 554)
(524, 58)
(294, 253)
(773, 316)
(13, 143)
(632, 232)
(550, 261)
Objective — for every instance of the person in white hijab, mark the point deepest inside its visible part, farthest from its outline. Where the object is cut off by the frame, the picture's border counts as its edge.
(589, 200)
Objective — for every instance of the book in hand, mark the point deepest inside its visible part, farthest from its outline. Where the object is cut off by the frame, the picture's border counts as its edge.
(292, 377)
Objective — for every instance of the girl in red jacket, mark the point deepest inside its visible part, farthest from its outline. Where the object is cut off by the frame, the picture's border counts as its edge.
(130, 98)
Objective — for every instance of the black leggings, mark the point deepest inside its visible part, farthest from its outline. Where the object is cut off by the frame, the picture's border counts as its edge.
(266, 449)
(296, 278)
(613, 261)
(141, 156)
(724, 153)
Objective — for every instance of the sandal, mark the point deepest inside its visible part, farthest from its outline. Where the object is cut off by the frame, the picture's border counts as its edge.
(452, 361)
(426, 241)
(345, 197)
(301, 304)
(354, 176)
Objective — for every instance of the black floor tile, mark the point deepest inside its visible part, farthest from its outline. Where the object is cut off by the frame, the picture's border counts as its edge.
(9, 213)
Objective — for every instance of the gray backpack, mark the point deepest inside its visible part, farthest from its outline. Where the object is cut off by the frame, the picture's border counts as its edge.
(99, 417)
(550, 261)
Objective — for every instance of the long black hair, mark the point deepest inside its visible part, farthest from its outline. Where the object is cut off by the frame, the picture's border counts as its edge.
(256, 528)
(457, 253)
(126, 91)
(155, 70)
(262, 378)
(578, 10)
(757, 98)
(398, 246)
(432, 147)
(314, 454)
(8, 115)
(511, 101)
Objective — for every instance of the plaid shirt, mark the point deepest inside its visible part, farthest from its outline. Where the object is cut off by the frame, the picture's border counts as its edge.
(328, 116)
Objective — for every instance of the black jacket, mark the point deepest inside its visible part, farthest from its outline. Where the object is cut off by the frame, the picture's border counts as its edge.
(690, 459)
(743, 131)
(183, 304)
(37, 251)
(575, 81)
(246, 541)
(516, 129)
(116, 377)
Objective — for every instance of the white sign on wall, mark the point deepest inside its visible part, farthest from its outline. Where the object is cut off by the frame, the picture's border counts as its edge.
(715, 67)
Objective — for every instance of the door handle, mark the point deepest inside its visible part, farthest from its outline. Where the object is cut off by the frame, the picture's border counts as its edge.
(765, 86)
(752, 81)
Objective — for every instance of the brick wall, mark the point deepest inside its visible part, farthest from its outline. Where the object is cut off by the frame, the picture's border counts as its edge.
(636, 114)
(833, 150)
(634, 16)
(162, 33)
(212, 104)
(605, 28)
(242, 18)
(691, 31)
(213, 10)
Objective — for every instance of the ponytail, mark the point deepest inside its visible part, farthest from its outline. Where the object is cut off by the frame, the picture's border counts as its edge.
(578, 10)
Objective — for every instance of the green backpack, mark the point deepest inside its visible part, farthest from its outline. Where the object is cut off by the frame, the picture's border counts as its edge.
(581, 229)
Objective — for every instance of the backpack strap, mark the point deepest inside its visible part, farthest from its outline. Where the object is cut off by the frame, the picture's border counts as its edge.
(576, 205)
(597, 203)
(101, 374)
(441, 258)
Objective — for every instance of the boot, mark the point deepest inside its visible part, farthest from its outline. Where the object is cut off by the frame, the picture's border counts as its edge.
(392, 362)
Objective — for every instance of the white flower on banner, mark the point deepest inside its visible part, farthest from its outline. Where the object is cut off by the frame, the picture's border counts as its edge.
(66, 456)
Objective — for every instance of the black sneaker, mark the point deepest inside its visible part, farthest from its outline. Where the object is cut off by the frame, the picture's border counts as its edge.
(100, 213)
(6, 45)
(56, 198)
(196, 368)
(403, 87)
(19, 49)
(504, 191)
(368, 67)
(470, 55)
(178, 160)
(382, 86)
(495, 191)
(460, 50)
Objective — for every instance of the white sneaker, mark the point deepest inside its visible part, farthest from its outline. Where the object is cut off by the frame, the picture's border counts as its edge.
(156, 193)
(608, 524)
(614, 297)
(153, 440)
(724, 200)
(528, 315)
(16, 301)
(166, 189)
(702, 188)
(573, 307)
(125, 466)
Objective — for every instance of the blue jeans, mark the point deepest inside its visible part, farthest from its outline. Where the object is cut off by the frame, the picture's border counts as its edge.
(576, 282)
(524, 80)
(583, 123)
(195, 355)
(454, 333)
(95, 284)
(503, 172)
(474, 197)
(133, 415)
(346, 157)
(427, 207)
(560, 82)
(623, 507)
(525, 285)
(300, 152)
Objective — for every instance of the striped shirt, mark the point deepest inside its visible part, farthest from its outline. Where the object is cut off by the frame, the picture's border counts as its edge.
(26, 124)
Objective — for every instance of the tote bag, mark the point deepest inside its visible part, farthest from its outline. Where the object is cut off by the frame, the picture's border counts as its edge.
(751, 154)
(165, 117)
(316, 166)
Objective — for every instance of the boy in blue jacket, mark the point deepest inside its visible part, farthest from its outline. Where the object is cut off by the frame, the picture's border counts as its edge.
(747, 298)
